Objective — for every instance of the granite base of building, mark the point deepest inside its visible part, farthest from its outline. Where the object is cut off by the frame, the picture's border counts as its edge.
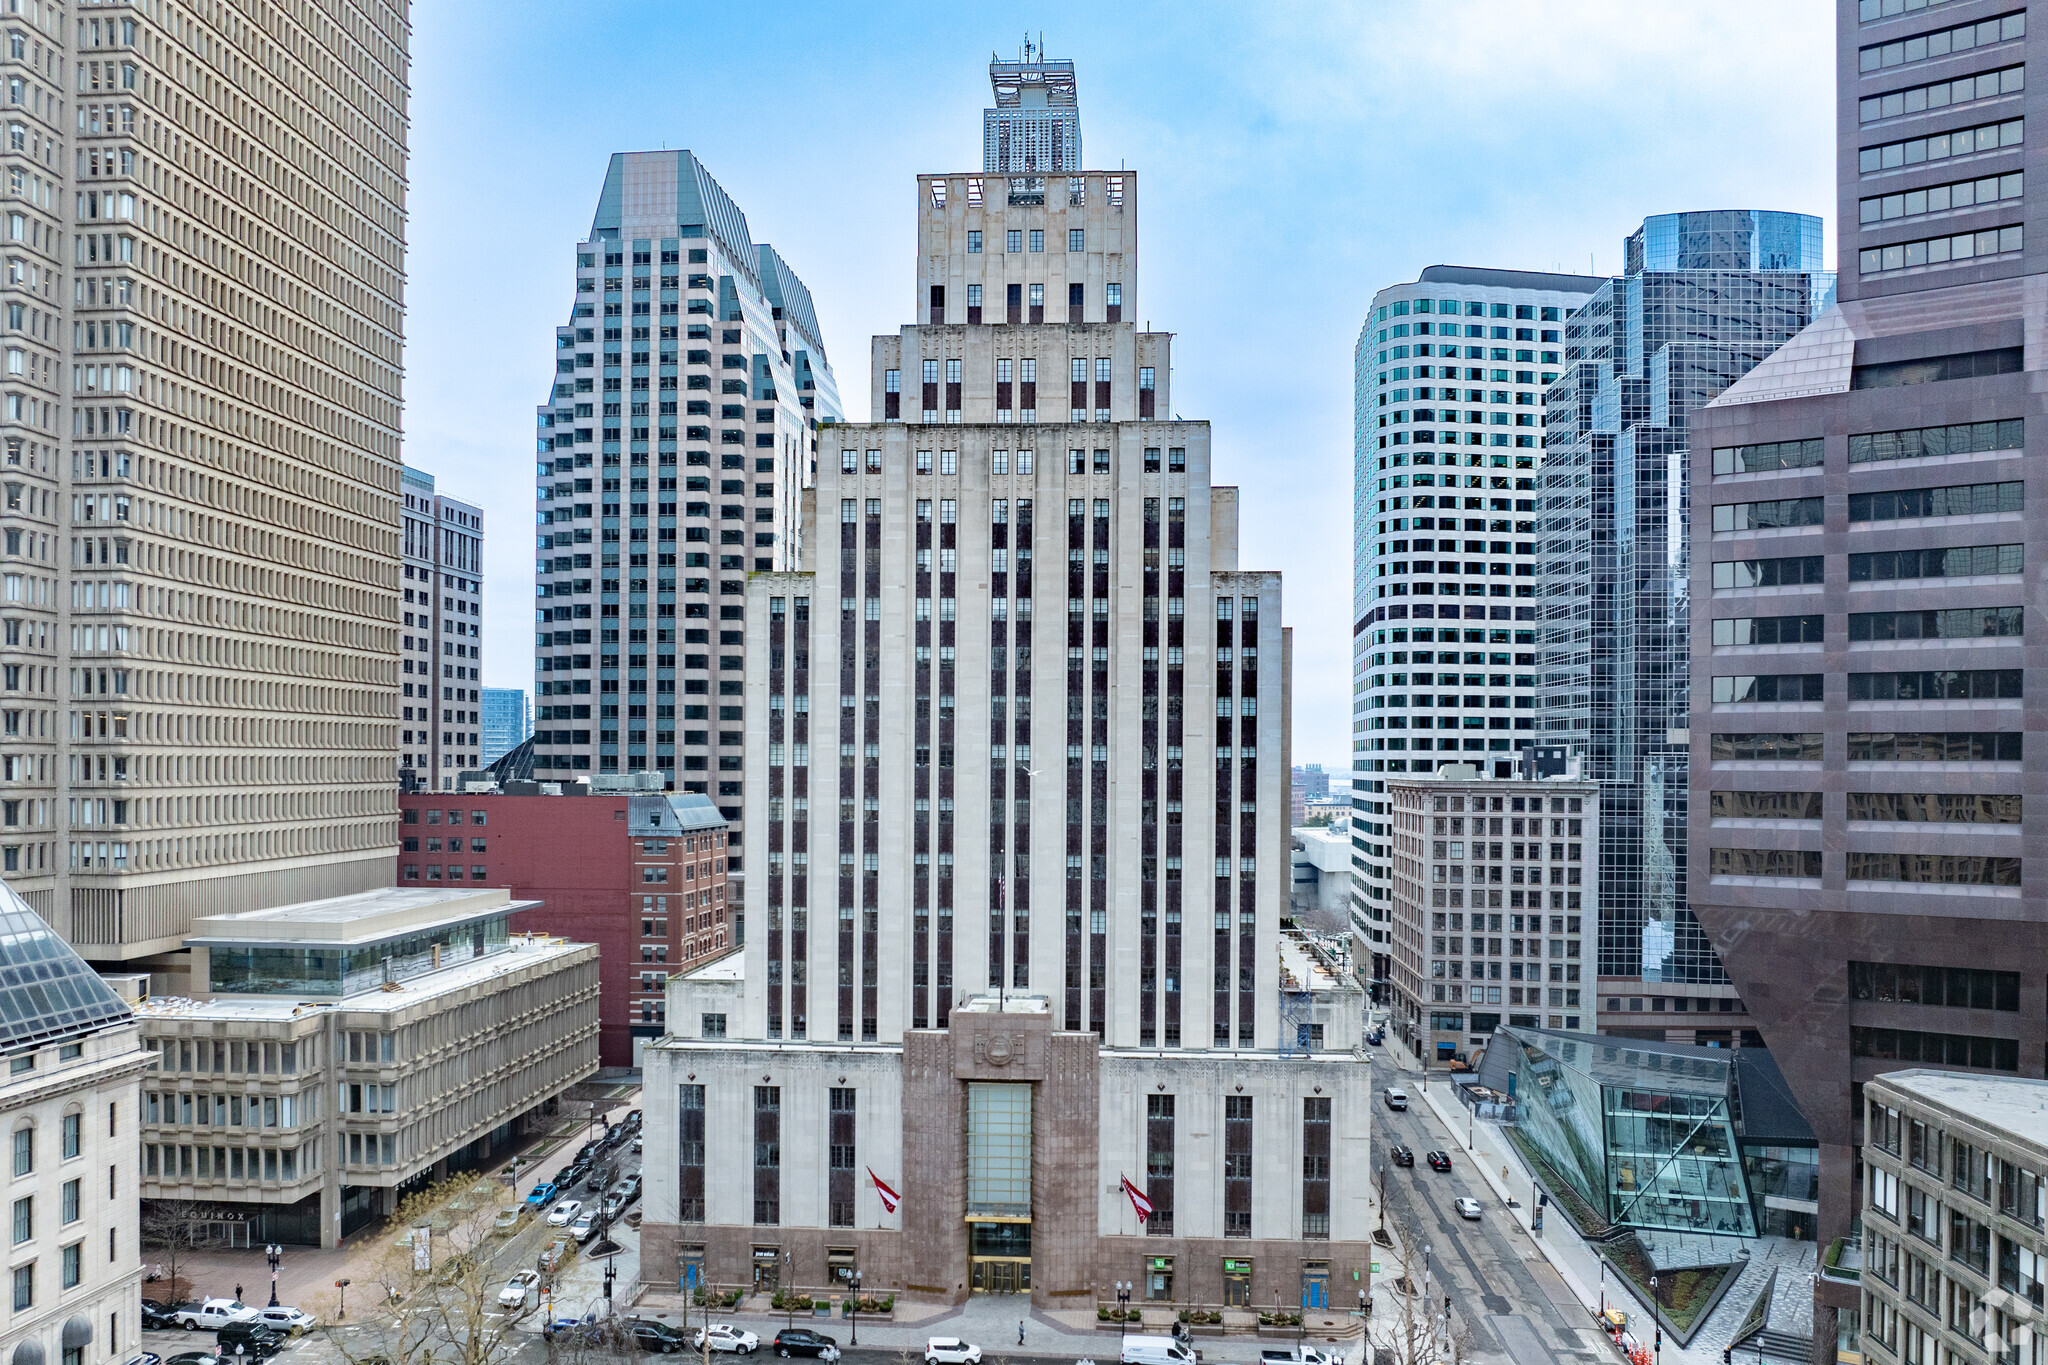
(1006, 1146)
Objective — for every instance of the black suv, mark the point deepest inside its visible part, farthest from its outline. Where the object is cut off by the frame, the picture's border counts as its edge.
(658, 1336)
(256, 1340)
(1402, 1156)
(802, 1341)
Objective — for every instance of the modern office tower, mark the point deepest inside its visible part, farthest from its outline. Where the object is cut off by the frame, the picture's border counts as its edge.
(1977, 1146)
(1035, 128)
(75, 1060)
(1870, 481)
(441, 650)
(1703, 298)
(508, 720)
(1449, 374)
(674, 450)
(1025, 922)
(1487, 875)
(199, 431)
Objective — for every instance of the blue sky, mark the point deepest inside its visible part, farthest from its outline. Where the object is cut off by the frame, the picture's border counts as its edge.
(1296, 158)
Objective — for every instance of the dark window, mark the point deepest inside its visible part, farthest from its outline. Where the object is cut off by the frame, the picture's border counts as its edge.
(1765, 862)
(690, 1155)
(1937, 1049)
(1801, 747)
(1934, 746)
(1969, 499)
(1768, 630)
(1934, 369)
(1934, 868)
(1769, 573)
(1767, 456)
(767, 1154)
(1936, 685)
(1951, 987)
(1237, 1166)
(1964, 438)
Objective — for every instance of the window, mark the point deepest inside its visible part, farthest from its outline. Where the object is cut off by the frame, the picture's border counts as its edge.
(1951, 987)
(71, 1133)
(1954, 623)
(24, 1219)
(1799, 748)
(70, 1263)
(1986, 137)
(1769, 573)
(24, 1150)
(1927, 867)
(1750, 805)
(1957, 562)
(713, 1025)
(1768, 630)
(1934, 807)
(1978, 193)
(1764, 862)
(1936, 369)
(1934, 746)
(1771, 455)
(1919, 99)
(1076, 239)
(1936, 685)
(24, 1287)
(1014, 240)
(1037, 239)
(1963, 246)
(974, 241)
(1767, 687)
(1941, 42)
(1760, 516)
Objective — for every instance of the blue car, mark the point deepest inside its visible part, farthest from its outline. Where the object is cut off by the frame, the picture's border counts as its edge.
(542, 1195)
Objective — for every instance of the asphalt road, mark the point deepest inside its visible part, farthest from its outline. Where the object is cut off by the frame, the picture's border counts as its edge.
(1511, 1301)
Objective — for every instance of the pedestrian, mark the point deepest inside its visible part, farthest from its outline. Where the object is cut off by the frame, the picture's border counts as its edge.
(1020, 1331)
(238, 1293)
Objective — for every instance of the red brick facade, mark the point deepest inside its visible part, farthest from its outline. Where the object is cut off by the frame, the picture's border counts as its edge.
(619, 871)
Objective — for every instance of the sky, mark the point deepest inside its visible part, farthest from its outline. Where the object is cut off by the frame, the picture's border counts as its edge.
(1296, 158)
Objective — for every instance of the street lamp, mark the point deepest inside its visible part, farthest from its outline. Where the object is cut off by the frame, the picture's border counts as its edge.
(1123, 1298)
(1603, 1289)
(789, 1285)
(276, 1254)
(342, 1311)
(855, 1314)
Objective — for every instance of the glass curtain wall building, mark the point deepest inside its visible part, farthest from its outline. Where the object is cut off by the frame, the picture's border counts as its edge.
(1704, 297)
(1449, 377)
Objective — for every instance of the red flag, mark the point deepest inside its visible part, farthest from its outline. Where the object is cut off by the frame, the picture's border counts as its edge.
(890, 1199)
(1138, 1200)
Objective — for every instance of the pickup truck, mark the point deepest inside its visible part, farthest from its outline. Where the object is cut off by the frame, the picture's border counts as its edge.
(212, 1313)
(1300, 1355)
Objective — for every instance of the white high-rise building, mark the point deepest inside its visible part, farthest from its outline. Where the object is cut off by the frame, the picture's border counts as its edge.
(441, 648)
(1035, 127)
(674, 447)
(1449, 376)
(199, 451)
(1016, 837)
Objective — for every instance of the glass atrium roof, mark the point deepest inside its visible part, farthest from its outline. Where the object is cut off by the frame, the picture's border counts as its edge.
(47, 992)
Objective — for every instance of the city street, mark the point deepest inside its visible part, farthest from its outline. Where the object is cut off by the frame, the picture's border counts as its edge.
(1517, 1308)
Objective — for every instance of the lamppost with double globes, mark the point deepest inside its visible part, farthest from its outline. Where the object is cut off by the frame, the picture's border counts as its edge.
(276, 1254)
(1123, 1299)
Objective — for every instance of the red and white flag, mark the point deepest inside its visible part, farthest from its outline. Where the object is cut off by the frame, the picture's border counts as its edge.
(890, 1199)
(1138, 1200)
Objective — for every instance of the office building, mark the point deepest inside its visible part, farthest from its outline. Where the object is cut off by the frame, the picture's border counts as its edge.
(313, 1060)
(1026, 924)
(1703, 298)
(441, 649)
(675, 447)
(1322, 872)
(1448, 381)
(508, 721)
(1495, 890)
(1967, 1286)
(199, 431)
(1035, 127)
(641, 874)
(74, 1063)
(1866, 490)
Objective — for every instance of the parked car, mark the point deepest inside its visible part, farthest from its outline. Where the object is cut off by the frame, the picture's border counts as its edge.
(950, 1351)
(1153, 1350)
(599, 1177)
(507, 1220)
(638, 1145)
(564, 1213)
(1468, 1208)
(1300, 1355)
(290, 1321)
(157, 1314)
(726, 1337)
(1439, 1161)
(633, 1118)
(657, 1336)
(247, 1338)
(1396, 1098)
(585, 1225)
(194, 1358)
(802, 1341)
(1402, 1155)
(633, 1186)
(518, 1289)
(215, 1313)
(543, 1194)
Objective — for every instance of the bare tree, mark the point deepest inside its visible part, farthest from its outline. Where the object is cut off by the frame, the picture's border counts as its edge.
(169, 1227)
(1418, 1329)
(431, 1292)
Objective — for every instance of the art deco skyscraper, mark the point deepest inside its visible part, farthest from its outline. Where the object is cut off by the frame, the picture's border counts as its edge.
(1035, 127)
(199, 450)
(1865, 573)
(675, 447)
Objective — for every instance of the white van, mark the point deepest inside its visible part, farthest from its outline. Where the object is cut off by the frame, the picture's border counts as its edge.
(1396, 1098)
(1155, 1351)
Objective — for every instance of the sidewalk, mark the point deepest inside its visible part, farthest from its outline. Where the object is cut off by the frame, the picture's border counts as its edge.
(307, 1274)
(1579, 1266)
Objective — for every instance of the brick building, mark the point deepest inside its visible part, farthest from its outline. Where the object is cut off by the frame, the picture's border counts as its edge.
(641, 875)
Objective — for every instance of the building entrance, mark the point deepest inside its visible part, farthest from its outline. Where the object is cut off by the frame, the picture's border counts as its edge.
(1237, 1283)
(999, 1257)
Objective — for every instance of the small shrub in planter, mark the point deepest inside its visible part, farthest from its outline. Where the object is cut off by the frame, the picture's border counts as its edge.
(1102, 1315)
